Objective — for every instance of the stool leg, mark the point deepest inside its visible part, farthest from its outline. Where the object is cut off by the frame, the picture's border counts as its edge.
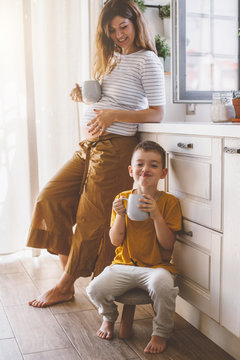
(125, 328)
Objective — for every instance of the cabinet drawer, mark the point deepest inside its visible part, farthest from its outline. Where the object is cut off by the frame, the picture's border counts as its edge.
(195, 177)
(197, 256)
(190, 145)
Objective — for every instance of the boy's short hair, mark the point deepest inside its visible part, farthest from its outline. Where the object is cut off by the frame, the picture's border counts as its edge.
(149, 145)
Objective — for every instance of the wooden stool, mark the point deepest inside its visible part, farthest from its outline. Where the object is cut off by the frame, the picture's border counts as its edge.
(130, 299)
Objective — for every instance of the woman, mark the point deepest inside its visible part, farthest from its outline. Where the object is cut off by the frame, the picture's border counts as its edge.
(82, 192)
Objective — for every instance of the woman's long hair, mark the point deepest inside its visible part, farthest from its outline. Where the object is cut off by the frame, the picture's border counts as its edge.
(104, 60)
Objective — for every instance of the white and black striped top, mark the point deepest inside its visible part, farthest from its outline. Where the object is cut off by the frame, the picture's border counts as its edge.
(136, 83)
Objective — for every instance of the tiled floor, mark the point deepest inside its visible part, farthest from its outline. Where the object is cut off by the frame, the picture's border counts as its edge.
(68, 331)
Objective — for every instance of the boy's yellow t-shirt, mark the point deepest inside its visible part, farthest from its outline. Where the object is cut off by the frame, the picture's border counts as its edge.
(140, 246)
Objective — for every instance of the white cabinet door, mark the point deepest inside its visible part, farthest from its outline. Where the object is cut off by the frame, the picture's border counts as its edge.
(230, 293)
(195, 176)
(197, 256)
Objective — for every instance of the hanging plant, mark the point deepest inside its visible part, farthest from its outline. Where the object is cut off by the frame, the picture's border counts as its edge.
(162, 47)
(164, 11)
(141, 4)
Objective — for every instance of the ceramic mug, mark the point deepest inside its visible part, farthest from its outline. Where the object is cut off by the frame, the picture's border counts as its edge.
(91, 91)
(133, 211)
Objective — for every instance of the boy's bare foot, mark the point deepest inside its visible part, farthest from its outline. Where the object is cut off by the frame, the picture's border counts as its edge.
(156, 345)
(51, 297)
(106, 330)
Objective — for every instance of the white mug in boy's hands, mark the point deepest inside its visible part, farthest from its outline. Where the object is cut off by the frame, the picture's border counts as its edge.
(133, 211)
(91, 91)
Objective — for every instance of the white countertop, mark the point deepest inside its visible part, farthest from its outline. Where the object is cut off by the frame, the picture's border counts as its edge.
(187, 128)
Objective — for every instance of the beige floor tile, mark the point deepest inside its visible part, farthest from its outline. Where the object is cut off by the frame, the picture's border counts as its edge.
(5, 328)
(62, 354)
(198, 345)
(82, 327)
(16, 289)
(9, 350)
(42, 267)
(79, 303)
(9, 264)
(36, 329)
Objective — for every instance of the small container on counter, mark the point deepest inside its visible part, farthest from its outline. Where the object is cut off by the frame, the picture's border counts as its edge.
(222, 109)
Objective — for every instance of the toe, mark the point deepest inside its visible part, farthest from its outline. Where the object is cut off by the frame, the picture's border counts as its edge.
(108, 336)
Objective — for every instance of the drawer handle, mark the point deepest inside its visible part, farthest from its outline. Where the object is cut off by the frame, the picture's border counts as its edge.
(185, 146)
(188, 233)
(231, 150)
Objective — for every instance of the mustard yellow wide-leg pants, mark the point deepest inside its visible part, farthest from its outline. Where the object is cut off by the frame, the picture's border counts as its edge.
(81, 194)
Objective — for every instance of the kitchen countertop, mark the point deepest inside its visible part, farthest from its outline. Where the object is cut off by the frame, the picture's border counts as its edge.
(187, 128)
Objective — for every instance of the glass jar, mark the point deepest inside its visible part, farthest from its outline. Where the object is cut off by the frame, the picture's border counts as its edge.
(216, 106)
(222, 109)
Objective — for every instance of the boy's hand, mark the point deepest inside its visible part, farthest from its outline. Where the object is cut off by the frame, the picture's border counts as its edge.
(119, 207)
(149, 205)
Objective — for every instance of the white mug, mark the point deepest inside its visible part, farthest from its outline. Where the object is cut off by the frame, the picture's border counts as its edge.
(133, 211)
(91, 91)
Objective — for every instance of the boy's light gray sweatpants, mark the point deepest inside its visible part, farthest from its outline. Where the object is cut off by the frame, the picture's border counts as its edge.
(115, 280)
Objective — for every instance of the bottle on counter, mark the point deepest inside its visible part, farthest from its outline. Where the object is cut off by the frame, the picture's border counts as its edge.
(216, 106)
(222, 109)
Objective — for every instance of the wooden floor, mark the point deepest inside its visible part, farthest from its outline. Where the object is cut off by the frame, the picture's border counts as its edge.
(68, 331)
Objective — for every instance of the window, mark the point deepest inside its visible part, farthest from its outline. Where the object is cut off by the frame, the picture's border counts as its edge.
(205, 48)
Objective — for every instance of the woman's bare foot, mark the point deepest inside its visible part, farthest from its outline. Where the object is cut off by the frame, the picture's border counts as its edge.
(156, 345)
(106, 330)
(51, 297)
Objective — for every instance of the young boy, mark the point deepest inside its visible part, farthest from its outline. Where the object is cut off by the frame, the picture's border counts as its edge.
(144, 249)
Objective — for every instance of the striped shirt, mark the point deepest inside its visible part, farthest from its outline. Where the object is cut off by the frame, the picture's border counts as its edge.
(136, 83)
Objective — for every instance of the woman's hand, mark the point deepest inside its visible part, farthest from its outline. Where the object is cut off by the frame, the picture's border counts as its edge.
(119, 207)
(104, 118)
(76, 94)
(149, 205)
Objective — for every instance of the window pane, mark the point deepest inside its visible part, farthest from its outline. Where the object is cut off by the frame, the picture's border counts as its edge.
(226, 8)
(199, 73)
(197, 34)
(211, 47)
(225, 39)
(199, 6)
(225, 74)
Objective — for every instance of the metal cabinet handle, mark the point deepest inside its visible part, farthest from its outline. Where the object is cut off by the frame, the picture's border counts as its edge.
(188, 233)
(231, 150)
(185, 146)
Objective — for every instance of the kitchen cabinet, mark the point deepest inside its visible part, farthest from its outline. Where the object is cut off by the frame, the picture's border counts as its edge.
(194, 177)
(204, 173)
(230, 289)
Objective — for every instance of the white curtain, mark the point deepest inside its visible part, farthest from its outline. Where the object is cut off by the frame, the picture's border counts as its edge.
(44, 51)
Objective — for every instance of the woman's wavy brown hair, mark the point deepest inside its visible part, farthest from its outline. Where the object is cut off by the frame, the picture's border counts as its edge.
(104, 59)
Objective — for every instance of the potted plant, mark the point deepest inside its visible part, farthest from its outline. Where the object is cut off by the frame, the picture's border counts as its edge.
(163, 51)
(164, 13)
(140, 4)
(236, 104)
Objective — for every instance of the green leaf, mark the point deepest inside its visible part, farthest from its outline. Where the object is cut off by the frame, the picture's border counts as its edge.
(162, 47)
